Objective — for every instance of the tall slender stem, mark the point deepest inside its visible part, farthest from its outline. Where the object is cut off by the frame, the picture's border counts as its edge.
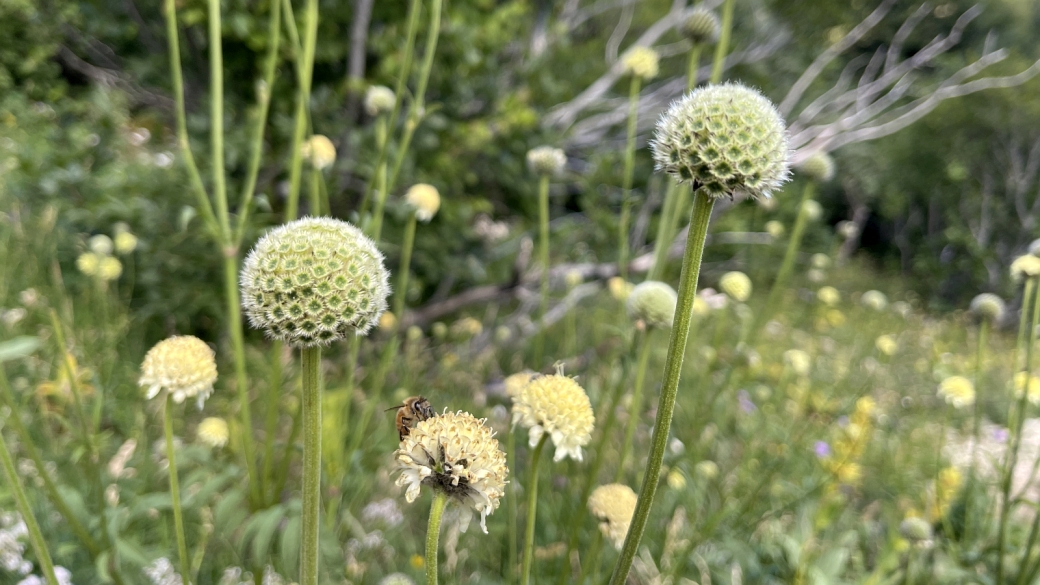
(543, 260)
(723, 45)
(216, 103)
(238, 346)
(976, 421)
(532, 511)
(692, 65)
(787, 265)
(406, 262)
(175, 492)
(274, 396)
(22, 503)
(303, 98)
(626, 180)
(636, 408)
(433, 535)
(663, 241)
(311, 404)
(511, 508)
(700, 217)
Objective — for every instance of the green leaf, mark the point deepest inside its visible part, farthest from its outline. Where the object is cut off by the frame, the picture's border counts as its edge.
(289, 546)
(19, 347)
(266, 524)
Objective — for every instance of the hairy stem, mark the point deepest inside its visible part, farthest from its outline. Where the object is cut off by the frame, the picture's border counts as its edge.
(303, 98)
(311, 405)
(175, 492)
(626, 180)
(543, 261)
(636, 408)
(433, 535)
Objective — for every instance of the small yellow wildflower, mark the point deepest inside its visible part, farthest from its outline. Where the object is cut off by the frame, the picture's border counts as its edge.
(887, 344)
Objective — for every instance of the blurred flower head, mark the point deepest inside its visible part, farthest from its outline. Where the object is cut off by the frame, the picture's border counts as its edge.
(1025, 266)
(183, 365)
(707, 469)
(828, 295)
(798, 361)
(213, 432)
(653, 303)
(820, 261)
(387, 321)
(516, 382)
(812, 209)
(774, 228)
(988, 306)
(100, 245)
(818, 167)
(125, 242)
(700, 26)
(379, 99)
(546, 161)
(957, 391)
(556, 405)
(619, 288)
(88, 263)
(109, 268)
(320, 151)
(1019, 382)
(424, 199)
(641, 62)
(887, 344)
(847, 229)
(874, 299)
(613, 505)
(737, 285)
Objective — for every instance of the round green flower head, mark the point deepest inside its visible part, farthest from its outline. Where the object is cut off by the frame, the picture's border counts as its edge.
(546, 160)
(654, 303)
(915, 529)
(700, 26)
(724, 140)
(988, 306)
(641, 62)
(737, 285)
(818, 167)
(314, 280)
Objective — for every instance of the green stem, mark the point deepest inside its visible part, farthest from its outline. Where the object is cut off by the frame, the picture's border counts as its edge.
(976, 421)
(532, 509)
(77, 394)
(238, 346)
(433, 535)
(626, 181)
(173, 43)
(22, 503)
(175, 492)
(303, 98)
(543, 261)
(723, 45)
(1025, 336)
(382, 192)
(311, 359)
(406, 262)
(700, 217)
(692, 65)
(417, 107)
(274, 26)
(636, 408)
(6, 398)
(787, 265)
(663, 241)
(511, 507)
(216, 80)
(274, 397)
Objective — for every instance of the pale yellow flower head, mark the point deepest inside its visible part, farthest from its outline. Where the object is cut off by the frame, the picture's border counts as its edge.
(183, 365)
(775, 228)
(988, 306)
(653, 303)
(213, 432)
(1034, 386)
(707, 469)
(379, 99)
(556, 405)
(613, 505)
(109, 268)
(88, 263)
(957, 391)
(887, 344)
(812, 209)
(515, 382)
(798, 360)
(1026, 266)
(820, 261)
(737, 285)
(387, 321)
(320, 151)
(457, 454)
(641, 62)
(425, 199)
(828, 295)
(125, 242)
(619, 288)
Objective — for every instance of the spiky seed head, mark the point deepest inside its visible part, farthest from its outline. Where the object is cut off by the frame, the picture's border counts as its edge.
(1025, 266)
(183, 365)
(555, 405)
(737, 285)
(100, 245)
(213, 432)
(613, 504)
(874, 299)
(957, 391)
(320, 151)
(314, 281)
(812, 209)
(653, 303)
(425, 199)
(818, 167)
(546, 161)
(457, 454)
(641, 62)
(775, 228)
(724, 140)
(379, 100)
(988, 306)
(700, 26)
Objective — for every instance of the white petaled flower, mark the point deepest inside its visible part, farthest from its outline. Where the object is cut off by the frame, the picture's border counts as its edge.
(182, 365)
(314, 281)
(546, 160)
(213, 432)
(556, 405)
(613, 505)
(457, 454)
(161, 572)
(425, 199)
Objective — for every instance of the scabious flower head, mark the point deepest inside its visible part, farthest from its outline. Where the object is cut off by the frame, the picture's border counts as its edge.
(182, 365)
(213, 432)
(957, 391)
(774, 228)
(1025, 266)
(314, 281)
(515, 382)
(109, 268)
(988, 306)
(425, 199)
(641, 62)
(707, 469)
(847, 229)
(1034, 386)
(125, 242)
(457, 454)
(700, 26)
(100, 245)
(874, 299)
(828, 295)
(556, 405)
(798, 361)
(613, 504)
(320, 151)
(88, 263)
(546, 161)
(379, 99)
(812, 209)
(653, 303)
(619, 288)
(887, 344)
(724, 140)
(737, 285)
(387, 322)
(818, 167)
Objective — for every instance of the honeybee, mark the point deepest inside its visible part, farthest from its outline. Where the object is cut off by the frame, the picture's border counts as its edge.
(413, 410)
